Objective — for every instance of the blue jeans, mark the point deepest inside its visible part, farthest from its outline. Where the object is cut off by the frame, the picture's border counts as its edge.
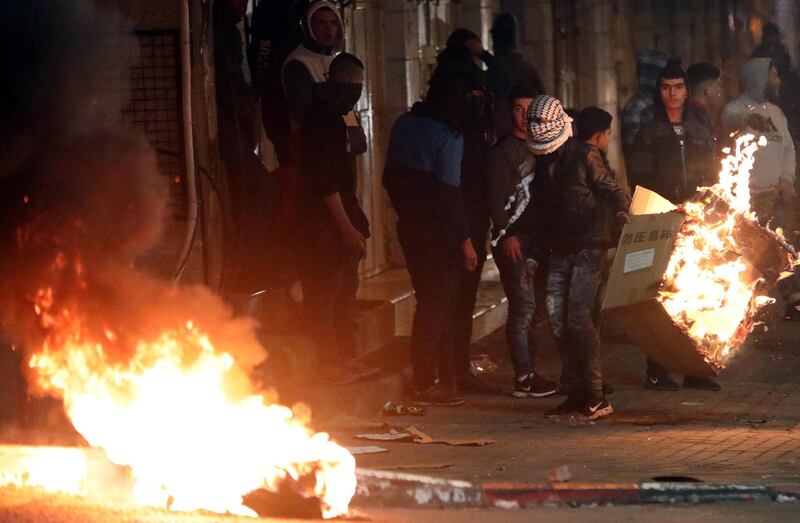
(517, 280)
(572, 283)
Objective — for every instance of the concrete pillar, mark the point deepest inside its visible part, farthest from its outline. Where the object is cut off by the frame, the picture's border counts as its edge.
(477, 16)
(597, 74)
(536, 36)
(401, 87)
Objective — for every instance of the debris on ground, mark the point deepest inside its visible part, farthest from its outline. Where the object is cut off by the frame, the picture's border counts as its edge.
(392, 435)
(412, 433)
(559, 474)
(752, 421)
(398, 409)
(424, 439)
(481, 364)
(370, 449)
(415, 466)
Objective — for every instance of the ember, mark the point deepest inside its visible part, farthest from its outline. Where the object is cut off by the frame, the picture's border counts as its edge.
(714, 283)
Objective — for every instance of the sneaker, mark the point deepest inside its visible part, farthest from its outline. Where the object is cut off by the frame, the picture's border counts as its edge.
(571, 405)
(696, 382)
(470, 383)
(597, 409)
(533, 386)
(436, 395)
(360, 370)
(660, 383)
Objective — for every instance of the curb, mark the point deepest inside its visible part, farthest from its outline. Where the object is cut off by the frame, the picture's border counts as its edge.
(396, 490)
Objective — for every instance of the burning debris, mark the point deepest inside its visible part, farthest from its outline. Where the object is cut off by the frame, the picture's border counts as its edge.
(158, 377)
(708, 266)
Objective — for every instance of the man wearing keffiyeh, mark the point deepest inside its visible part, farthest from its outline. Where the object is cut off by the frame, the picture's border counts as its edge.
(519, 230)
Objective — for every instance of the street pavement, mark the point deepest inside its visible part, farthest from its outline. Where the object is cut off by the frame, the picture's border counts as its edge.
(747, 433)
(25, 507)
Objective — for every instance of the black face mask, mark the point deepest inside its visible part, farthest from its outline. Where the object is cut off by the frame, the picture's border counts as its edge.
(345, 95)
(477, 106)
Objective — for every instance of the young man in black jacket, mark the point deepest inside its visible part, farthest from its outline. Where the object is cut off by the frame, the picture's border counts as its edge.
(673, 155)
(583, 186)
(333, 226)
(521, 250)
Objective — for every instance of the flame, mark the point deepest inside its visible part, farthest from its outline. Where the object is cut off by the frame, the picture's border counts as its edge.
(709, 289)
(182, 415)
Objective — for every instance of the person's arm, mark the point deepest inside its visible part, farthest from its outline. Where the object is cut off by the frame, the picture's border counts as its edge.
(602, 179)
(350, 234)
(356, 137)
(447, 168)
(500, 173)
(786, 182)
(299, 88)
(323, 173)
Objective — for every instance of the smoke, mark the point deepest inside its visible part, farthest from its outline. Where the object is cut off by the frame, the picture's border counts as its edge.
(80, 194)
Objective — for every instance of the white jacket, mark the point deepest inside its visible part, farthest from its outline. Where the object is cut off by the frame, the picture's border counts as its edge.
(753, 113)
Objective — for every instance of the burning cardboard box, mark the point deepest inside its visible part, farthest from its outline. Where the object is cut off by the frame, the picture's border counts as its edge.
(687, 283)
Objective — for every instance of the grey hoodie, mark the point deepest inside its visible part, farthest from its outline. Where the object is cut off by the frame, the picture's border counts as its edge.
(753, 113)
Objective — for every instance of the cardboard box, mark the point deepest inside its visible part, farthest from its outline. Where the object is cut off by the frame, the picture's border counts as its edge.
(641, 259)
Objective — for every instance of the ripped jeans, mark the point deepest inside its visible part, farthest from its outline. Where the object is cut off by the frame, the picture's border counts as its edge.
(572, 282)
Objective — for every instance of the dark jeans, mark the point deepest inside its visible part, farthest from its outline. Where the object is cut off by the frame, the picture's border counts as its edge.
(458, 330)
(435, 274)
(329, 276)
(572, 283)
(518, 284)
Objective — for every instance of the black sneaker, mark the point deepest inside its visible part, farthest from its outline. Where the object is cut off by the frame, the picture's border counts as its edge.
(660, 383)
(571, 405)
(533, 386)
(470, 383)
(597, 409)
(436, 395)
(696, 382)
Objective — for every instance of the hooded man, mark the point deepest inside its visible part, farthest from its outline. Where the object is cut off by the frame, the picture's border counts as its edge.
(306, 68)
(423, 178)
(334, 228)
(462, 55)
(648, 64)
(772, 176)
(772, 194)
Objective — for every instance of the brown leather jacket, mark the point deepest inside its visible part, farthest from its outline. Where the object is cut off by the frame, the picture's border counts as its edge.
(585, 196)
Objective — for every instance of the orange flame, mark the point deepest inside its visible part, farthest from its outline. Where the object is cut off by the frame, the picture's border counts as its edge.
(181, 414)
(709, 289)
